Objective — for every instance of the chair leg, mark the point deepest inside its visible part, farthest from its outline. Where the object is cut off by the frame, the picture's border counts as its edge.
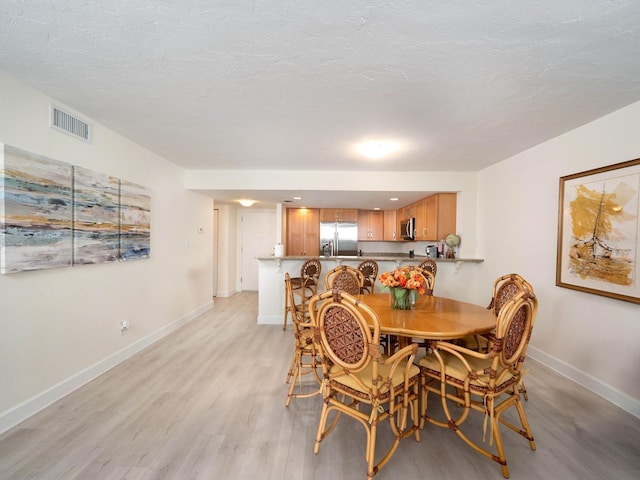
(523, 390)
(321, 426)
(292, 366)
(286, 312)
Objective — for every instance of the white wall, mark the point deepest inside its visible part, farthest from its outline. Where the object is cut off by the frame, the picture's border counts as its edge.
(591, 338)
(60, 327)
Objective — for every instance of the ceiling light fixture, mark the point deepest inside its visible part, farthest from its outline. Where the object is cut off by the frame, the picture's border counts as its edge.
(246, 202)
(376, 149)
(394, 199)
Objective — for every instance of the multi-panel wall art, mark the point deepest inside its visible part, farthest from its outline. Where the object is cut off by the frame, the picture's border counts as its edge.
(135, 221)
(55, 215)
(96, 222)
(35, 211)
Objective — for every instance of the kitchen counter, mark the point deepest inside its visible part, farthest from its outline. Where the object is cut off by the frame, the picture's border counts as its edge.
(455, 279)
(378, 257)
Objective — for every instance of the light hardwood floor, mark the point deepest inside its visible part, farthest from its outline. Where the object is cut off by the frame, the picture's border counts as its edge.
(207, 402)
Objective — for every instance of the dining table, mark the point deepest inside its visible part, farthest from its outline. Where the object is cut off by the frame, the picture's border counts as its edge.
(431, 318)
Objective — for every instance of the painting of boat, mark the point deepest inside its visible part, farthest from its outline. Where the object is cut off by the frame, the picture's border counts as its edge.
(603, 232)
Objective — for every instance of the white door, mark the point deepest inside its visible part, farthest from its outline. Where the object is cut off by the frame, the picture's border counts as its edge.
(216, 228)
(258, 240)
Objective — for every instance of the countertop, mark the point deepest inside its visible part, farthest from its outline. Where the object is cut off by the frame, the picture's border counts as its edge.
(379, 257)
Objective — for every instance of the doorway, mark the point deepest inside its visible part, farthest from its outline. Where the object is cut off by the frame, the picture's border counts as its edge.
(216, 229)
(258, 240)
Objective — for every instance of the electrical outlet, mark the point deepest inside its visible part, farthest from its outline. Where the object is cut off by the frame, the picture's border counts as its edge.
(124, 326)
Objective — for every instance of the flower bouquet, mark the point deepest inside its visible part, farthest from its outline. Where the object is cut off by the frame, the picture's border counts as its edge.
(402, 284)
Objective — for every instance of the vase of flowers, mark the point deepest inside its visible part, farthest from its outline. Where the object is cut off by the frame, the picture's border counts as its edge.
(403, 284)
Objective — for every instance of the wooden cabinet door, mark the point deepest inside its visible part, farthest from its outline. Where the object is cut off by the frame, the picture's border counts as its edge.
(441, 215)
(390, 228)
(328, 215)
(312, 232)
(295, 231)
(421, 219)
(370, 225)
(348, 215)
(363, 225)
(338, 215)
(376, 225)
(303, 232)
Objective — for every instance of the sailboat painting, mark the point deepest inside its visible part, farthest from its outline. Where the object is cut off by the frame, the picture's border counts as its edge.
(598, 240)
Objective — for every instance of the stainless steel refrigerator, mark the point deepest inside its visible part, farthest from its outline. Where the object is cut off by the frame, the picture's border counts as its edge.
(339, 238)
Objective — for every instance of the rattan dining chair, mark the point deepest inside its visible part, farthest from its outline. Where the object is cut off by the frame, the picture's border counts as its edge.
(305, 358)
(304, 286)
(345, 278)
(369, 269)
(355, 373)
(430, 265)
(468, 380)
(504, 289)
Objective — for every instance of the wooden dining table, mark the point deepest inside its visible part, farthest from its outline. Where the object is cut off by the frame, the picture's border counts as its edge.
(431, 318)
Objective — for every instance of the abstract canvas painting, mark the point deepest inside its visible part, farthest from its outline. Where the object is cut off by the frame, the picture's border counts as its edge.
(35, 211)
(599, 231)
(135, 221)
(96, 224)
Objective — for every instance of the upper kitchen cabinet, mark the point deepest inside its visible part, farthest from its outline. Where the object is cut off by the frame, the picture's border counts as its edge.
(370, 225)
(390, 228)
(338, 215)
(439, 217)
(303, 232)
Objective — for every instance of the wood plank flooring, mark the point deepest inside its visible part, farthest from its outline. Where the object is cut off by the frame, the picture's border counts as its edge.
(207, 402)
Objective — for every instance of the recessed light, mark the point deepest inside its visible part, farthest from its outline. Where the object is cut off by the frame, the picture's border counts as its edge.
(297, 198)
(376, 208)
(394, 199)
(377, 148)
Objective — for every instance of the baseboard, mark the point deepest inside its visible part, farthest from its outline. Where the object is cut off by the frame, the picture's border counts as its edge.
(21, 412)
(225, 293)
(615, 396)
(271, 320)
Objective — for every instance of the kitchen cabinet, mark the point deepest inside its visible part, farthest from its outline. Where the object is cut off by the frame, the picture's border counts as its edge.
(303, 232)
(440, 216)
(421, 219)
(390, 227)
(338, 215)
(370, 225)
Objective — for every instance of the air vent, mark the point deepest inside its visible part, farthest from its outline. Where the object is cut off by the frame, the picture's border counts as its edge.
(69, 124)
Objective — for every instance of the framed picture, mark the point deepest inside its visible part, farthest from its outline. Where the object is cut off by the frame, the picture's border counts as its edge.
(598, 231)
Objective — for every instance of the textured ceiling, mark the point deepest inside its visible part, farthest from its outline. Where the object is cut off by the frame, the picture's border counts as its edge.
(294, 85)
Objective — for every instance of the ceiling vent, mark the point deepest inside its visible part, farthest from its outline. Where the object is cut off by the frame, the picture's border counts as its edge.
(69, 124)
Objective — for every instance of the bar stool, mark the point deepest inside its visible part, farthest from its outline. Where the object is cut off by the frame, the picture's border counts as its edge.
(305, 286)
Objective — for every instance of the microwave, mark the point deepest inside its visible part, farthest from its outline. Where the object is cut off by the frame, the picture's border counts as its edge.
(408, 229)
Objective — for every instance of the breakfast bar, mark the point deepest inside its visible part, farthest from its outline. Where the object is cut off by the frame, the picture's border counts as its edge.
(456, 277)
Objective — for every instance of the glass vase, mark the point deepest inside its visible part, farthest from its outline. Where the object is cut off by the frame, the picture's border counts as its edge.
(400, 298)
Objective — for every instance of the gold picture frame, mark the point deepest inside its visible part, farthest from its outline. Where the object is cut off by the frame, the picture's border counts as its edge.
(599, 230)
